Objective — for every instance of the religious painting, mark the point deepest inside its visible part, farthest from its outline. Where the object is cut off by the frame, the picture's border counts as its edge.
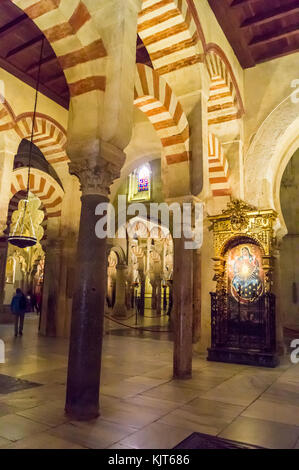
(245, 273)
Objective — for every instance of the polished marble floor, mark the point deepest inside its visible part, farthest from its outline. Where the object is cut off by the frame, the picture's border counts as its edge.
(141, 405)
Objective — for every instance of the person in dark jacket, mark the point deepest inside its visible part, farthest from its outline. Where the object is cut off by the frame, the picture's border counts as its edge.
(18, 308)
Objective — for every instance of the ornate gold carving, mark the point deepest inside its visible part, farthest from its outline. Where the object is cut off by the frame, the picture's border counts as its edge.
(237, 211)
(238, 222)
(95, 178)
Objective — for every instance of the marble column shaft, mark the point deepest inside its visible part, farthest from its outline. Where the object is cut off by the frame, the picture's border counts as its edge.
(51, 288)
(182, 311)
(196, 296)
(159, 293)
(3, 259)
(83, 382)
(120, 309)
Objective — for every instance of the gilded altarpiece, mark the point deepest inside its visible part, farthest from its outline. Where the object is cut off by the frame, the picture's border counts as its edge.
(243, 306)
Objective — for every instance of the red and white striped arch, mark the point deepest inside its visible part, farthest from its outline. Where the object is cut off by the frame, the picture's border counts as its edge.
(7, 116)
(42, 185)
(225, 102)
(218, 168)
(170, 34)
(69, 27)
(49, 136)
(154, 97)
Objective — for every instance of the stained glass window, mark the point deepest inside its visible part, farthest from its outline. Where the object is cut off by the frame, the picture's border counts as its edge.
(143, 179)
(140, 184)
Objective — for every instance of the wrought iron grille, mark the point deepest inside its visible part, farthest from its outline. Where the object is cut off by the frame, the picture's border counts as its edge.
(249, 326)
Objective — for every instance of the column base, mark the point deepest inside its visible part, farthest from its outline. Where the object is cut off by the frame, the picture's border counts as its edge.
(79, 414)
(120, 311)
(182, 376)
(6, 317)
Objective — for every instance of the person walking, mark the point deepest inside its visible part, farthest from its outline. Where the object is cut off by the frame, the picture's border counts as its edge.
(18, 308)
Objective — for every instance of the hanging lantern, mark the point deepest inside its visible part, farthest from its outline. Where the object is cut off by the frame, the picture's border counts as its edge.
(25, 227)
(26, 219)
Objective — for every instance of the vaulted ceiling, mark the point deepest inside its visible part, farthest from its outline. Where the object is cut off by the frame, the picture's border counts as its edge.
(20, 46)
(259, 30)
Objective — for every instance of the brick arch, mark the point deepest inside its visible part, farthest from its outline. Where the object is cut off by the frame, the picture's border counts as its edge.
(49, 136)
(218, 168)
(171, 34)
(225, 101)
(7, 116)
(155, 98)
(65, 23)
(42, 185)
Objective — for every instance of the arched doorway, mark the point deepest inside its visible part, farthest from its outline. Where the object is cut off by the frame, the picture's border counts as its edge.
(289, 253)
(150, 265)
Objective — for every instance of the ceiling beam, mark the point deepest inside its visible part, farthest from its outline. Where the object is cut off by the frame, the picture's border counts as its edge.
(55, 77)
(10, 68)
(270, 16)
(241, 3)
(13, 25)
(24, 46)
(270, 56)
(275, 35)
(48, 60)
(231, 28)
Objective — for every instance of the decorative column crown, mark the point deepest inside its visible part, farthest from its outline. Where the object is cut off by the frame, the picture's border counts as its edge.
(95, 178)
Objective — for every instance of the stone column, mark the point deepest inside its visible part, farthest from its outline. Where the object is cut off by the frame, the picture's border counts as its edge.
(182, 311)
(51, 288)
(196, 295)
(67, 263)
(280, 345)
(85, 354)
(159, 289)
(154, 294)
(120, 309)
(3, 258)
(142, 292)
(8, 148)
(164, 298)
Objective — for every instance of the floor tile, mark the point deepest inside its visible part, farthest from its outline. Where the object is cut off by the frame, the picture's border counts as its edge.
(15, 427)
(262, 433)
(157, 405)
(96, 434)
(241, 389)
(278, 412)
(131, 414)
(156, 436)
(173, 393)
(141, 405)
(4, 443)
(44, 441)
(49, 414)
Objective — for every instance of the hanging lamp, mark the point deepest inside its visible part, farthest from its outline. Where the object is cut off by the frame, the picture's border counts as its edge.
(24, 234)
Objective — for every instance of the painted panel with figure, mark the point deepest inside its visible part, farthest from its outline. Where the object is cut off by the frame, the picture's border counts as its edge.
(245, 273)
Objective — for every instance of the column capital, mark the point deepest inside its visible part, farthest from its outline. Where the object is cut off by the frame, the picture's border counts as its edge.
(95, 178)
(96, 164)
